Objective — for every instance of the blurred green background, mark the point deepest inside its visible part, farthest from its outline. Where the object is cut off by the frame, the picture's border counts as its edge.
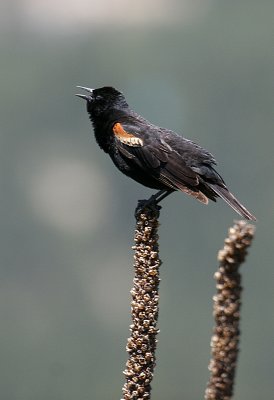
(204, 68)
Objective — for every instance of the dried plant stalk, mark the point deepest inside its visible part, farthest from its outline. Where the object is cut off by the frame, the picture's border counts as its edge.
(141, 345)
(227, 302)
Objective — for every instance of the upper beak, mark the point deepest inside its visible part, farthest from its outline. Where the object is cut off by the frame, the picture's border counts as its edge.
(83, 96)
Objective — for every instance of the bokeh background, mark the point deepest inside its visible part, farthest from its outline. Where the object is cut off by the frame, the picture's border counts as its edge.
(204, 68)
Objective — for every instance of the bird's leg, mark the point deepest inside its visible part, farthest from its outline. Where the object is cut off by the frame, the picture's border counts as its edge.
(153, 201)
(159, 196)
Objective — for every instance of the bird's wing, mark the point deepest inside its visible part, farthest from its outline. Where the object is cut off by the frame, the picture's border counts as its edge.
(191, 151)
(132, 144)
(142, 146)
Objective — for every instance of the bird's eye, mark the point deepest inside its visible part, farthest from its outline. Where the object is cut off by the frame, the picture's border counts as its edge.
(99, 97)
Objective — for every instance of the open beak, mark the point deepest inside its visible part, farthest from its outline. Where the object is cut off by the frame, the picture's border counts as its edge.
(83, 96)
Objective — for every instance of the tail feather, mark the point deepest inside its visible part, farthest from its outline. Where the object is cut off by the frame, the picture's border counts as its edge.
(233, 202)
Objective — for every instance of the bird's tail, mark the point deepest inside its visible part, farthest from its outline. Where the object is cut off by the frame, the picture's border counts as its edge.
(233, 202)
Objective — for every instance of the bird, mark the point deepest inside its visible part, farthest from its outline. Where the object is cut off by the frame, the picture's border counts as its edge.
(153, 156)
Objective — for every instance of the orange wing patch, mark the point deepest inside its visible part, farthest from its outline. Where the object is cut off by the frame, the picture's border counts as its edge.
(125, 137)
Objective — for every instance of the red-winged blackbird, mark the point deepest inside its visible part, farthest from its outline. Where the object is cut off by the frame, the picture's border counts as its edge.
(153, 156)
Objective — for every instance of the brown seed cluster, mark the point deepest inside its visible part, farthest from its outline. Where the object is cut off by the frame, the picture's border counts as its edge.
(141, 345)
(227, 302)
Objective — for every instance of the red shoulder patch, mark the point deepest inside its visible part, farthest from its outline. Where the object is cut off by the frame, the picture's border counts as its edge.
(126, 137)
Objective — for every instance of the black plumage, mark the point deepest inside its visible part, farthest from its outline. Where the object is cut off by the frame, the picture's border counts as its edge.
(153, 156)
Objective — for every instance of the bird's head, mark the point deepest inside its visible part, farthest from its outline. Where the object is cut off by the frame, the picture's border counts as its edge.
(102, 101)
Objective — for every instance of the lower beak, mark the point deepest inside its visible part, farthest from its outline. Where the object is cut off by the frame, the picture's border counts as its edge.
(83, 96)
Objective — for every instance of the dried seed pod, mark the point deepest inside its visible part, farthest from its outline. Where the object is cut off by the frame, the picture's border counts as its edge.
(227, 302)
(141, 345)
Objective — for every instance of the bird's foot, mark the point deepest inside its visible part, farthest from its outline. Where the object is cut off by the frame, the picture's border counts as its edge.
(152, 202)
(149, 206)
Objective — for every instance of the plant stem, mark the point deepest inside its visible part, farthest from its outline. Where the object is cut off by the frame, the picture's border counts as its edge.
(141, 345)
(227, 302)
